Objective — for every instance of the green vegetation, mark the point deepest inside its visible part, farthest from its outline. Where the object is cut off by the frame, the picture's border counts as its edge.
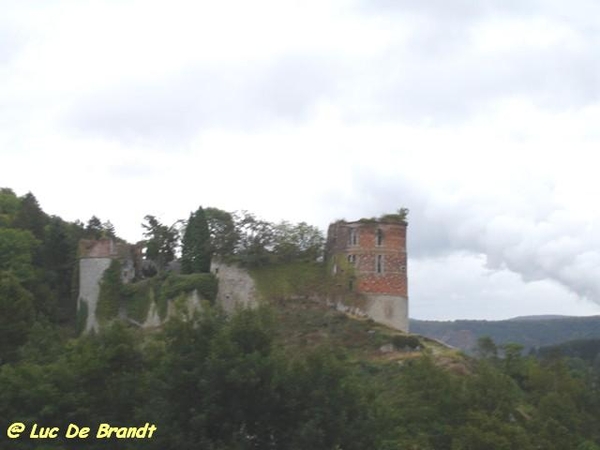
(400, 216)
(283, 281)
(196, 249)
(16, 315)
(401, 342)
(223, 233)
(81, 318)
(111, 293)
(161, 241)
(292, 375)
(296, 376)
(138, 297)
(204, 283)
(17, 249)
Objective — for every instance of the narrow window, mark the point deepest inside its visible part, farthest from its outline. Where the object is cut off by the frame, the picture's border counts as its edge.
(353, 237)
(379, 263)
(351, 259)
(379, 238)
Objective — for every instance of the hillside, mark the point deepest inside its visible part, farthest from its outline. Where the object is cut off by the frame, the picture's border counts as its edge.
(298, 294)
(292, 373)
(531, 332)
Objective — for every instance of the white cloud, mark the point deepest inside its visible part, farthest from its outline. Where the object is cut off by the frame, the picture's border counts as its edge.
(465, 289)
(481, 118)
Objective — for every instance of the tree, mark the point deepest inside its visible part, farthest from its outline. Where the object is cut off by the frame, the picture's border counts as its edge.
(196, 248)
(223, 233)
(256, 239)
(161, 241)
(16, 315)
(9, 206)
(17, 249)
(513, 362)
(94, 228)
(486, 348)
(30, 216)
(59, 254)
(109, 229)
(300, 241)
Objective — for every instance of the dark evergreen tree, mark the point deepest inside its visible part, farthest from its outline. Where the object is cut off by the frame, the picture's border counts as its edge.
(59, 254)
(196, 248)
(161, 241)
(94, 228)
(109, 229)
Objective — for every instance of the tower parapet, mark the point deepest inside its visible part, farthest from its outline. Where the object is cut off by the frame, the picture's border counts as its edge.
(375, 251)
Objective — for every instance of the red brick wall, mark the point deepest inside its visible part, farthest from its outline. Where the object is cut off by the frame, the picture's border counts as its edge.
(393, 279)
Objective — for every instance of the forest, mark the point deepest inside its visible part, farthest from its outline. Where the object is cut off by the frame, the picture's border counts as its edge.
(291, 374)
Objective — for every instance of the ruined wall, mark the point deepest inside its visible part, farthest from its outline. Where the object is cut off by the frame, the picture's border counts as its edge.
(389, 310)
(236, 287)
(91, 271)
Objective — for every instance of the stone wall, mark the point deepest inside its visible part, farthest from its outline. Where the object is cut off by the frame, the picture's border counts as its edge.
(389, 310)
(236, 287)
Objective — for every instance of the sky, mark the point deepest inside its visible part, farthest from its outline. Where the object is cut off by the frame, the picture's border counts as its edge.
(480, 117)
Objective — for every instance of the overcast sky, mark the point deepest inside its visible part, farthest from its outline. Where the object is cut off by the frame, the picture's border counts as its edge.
(482, 117)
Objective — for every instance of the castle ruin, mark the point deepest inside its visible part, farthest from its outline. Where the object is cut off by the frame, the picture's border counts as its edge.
(367, 256)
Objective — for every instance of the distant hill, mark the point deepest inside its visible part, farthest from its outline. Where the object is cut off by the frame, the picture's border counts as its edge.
(585, 349)
(541, 317)
(530, 331)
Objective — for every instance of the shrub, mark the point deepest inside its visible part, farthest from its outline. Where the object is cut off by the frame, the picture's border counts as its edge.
(402, 342)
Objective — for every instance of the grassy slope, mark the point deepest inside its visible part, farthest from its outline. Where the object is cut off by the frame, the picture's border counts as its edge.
(298, 294)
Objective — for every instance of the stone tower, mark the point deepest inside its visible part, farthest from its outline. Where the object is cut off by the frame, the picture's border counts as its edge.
(95, 257)
(375, 251)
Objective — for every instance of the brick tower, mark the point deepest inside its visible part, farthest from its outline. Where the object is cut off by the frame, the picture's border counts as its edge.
(374, 250)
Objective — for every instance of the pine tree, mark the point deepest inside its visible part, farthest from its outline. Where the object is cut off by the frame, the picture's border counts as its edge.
(196, 248)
